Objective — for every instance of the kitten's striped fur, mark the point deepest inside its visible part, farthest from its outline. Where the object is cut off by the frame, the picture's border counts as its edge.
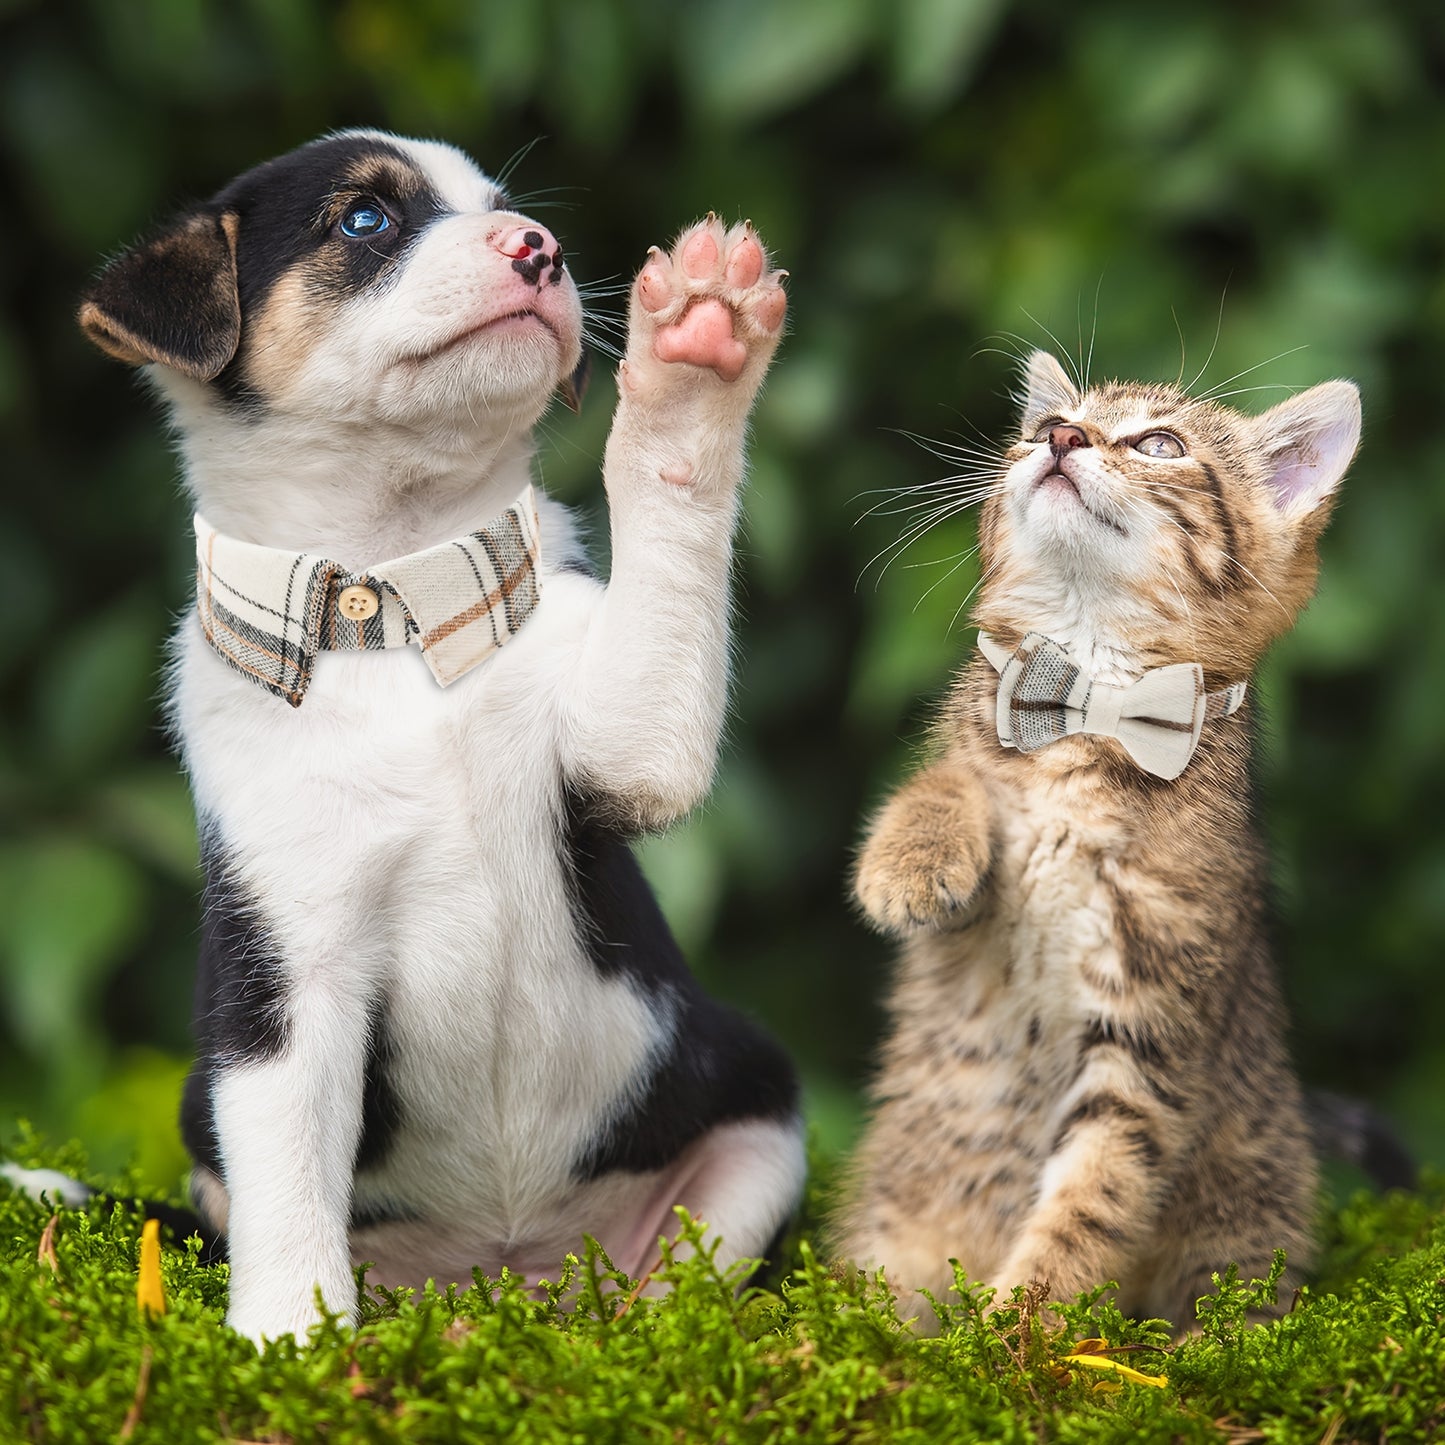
(1086, 1077)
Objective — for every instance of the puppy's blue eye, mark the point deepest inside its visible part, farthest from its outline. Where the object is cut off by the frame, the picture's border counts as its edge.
(366, 219)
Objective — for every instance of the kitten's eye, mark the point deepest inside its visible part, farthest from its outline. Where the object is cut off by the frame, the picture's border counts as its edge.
(364, 219)
(1160, 444)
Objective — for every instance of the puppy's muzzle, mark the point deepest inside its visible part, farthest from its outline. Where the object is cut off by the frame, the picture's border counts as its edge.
(534, 250)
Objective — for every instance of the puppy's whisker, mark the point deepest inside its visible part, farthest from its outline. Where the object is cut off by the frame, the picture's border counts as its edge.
(516, 159)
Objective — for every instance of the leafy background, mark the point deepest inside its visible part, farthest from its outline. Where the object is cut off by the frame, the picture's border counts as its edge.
(1253, 186)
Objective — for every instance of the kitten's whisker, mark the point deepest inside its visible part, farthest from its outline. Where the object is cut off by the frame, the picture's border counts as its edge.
(1245, 390)
(959, 503)
(1093, 332)
(911, 533)
(1218, 327)
(1169, 576)
(1059, 347)
(963, 559)
(1016, 352)
(1157, 486)
(1211, 394)
(914, 488)
(960, 485)
(968, 597)
(949, 451)
(955, 504)
(1288, 616)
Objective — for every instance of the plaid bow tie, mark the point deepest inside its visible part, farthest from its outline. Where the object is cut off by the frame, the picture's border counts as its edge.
(268, 612)
(1043, 696)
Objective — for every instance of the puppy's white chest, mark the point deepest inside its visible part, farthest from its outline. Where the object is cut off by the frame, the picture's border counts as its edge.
(404, 843)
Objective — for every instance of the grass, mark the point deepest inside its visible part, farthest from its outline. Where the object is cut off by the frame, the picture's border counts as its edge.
(817, 1357)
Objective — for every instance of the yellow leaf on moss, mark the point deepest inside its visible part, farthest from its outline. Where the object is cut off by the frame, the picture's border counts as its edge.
(150, 1295)
(1100, 1362)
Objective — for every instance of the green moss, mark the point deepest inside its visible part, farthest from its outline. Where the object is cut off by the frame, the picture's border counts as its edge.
(819, 1357)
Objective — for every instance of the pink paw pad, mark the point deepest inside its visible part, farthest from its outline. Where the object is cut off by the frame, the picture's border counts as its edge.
(745, 264)
(700, 256)
(771, 308)
(652, 288)
(704, 337)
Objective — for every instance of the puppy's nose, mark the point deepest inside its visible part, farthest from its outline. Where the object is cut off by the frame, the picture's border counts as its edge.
(526, 241)
(533, 249)
(1066, 438)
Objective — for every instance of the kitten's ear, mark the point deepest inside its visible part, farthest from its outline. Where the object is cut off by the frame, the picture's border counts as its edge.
(172, 300)
(1308, 441)
(1047, 388)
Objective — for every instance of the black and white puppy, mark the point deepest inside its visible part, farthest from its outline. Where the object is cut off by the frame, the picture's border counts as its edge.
(441, 1022)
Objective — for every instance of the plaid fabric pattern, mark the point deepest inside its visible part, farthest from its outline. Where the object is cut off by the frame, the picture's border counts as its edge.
(269, 612)
(1043, 696)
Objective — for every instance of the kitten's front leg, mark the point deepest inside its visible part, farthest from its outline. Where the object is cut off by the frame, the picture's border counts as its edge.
(928, 852)
(647, 698)
(1119, 1133)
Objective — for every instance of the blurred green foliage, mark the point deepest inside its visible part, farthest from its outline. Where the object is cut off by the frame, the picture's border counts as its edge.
(948, 181)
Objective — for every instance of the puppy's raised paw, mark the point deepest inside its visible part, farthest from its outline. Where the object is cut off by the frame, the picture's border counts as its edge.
(708, 309)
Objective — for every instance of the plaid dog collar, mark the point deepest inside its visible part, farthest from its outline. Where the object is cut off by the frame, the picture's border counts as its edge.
(1043, 696)
(268, 612)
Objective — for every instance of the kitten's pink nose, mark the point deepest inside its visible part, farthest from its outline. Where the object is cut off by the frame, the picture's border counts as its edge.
(1065, 438)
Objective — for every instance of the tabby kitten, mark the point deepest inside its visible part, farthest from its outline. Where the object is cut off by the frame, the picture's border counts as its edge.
(1086, 1077)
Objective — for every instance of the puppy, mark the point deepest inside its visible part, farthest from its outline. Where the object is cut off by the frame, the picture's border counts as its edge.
(441, 1023)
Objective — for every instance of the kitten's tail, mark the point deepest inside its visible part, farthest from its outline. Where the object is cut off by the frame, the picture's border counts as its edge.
(1351, 1130)
(49, 1186)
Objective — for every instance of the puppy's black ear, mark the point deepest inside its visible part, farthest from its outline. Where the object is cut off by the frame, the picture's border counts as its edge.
(575, 387)
(172, 299)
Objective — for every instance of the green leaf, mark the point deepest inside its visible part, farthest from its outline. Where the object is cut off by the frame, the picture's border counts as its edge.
(69, 910)
(746, 59)
(96, 692)
(936, 45)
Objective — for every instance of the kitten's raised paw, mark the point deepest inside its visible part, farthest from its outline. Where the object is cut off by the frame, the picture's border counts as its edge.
(904, 888)
(710, 304)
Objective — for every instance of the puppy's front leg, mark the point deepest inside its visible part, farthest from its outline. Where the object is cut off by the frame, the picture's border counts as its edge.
(288, 1126)
(648, 697)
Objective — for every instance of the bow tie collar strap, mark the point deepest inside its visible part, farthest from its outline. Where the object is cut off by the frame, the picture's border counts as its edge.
(1044, 696)
(269, 612)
